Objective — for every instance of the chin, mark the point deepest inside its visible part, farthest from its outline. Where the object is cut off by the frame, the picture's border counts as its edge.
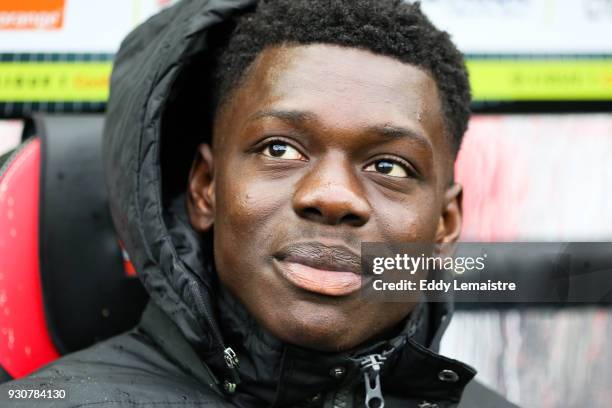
(317, 329)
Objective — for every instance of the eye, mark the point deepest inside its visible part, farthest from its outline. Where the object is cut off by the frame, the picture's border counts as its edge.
(282, 150)
(388, 167)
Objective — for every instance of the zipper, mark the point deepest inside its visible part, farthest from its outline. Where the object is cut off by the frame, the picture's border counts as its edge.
(371, 366)
(229, 355)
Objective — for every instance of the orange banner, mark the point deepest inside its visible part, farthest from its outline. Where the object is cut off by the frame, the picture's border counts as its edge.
(31, 14)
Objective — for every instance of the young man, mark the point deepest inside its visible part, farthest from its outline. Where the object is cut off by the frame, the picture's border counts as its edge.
(316, 126)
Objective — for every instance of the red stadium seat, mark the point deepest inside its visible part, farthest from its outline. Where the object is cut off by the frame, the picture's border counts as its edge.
(64, 283)
(25, 343)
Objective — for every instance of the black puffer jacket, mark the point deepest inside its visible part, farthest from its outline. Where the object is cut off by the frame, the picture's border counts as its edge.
(195, 345)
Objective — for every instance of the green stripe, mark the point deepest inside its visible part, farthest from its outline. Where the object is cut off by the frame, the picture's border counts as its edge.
(54, 81)
(543, 79)
(491, 80)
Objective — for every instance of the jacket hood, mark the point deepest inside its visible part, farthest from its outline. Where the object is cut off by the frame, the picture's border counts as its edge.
(153, 126)
(146, 101)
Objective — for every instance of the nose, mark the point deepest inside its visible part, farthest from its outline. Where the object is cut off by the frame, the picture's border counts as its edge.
(331, 194)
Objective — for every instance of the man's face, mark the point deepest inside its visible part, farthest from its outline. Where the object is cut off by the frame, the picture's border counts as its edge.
(322, 147)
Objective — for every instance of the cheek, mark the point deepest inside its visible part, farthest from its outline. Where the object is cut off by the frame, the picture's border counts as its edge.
(413, 219)
(244, 205)
(245, 214)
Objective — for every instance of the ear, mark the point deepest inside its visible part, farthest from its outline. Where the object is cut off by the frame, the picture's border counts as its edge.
(451, 219)
(201, 190)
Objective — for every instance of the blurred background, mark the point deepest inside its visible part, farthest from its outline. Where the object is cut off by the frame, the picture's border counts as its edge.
(536, 163)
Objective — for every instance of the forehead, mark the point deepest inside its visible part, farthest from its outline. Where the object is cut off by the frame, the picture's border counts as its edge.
(344, 88)
(325, 73)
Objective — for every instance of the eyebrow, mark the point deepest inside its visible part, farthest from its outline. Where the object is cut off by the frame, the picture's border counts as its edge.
(299, 118)
(394, 132)
(291, 116)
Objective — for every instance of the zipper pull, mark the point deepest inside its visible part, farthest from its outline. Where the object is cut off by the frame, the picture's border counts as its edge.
(232, 363)
(231, 359)
(371, 366)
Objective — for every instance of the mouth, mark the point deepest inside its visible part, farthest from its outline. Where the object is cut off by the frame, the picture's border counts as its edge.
(332, 270)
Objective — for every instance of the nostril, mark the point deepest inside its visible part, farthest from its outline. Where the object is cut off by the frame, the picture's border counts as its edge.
(311, 212)
(352, 219)
(332, 218)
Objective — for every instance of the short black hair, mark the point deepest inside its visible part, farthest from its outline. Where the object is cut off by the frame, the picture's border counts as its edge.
(392, 28)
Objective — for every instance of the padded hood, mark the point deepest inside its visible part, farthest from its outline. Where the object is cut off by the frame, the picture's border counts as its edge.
(145, 98)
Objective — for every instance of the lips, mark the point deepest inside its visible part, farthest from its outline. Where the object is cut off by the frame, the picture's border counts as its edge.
(332, 270)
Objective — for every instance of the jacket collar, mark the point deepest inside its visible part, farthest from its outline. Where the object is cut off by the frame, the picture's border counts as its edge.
(282, 375)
